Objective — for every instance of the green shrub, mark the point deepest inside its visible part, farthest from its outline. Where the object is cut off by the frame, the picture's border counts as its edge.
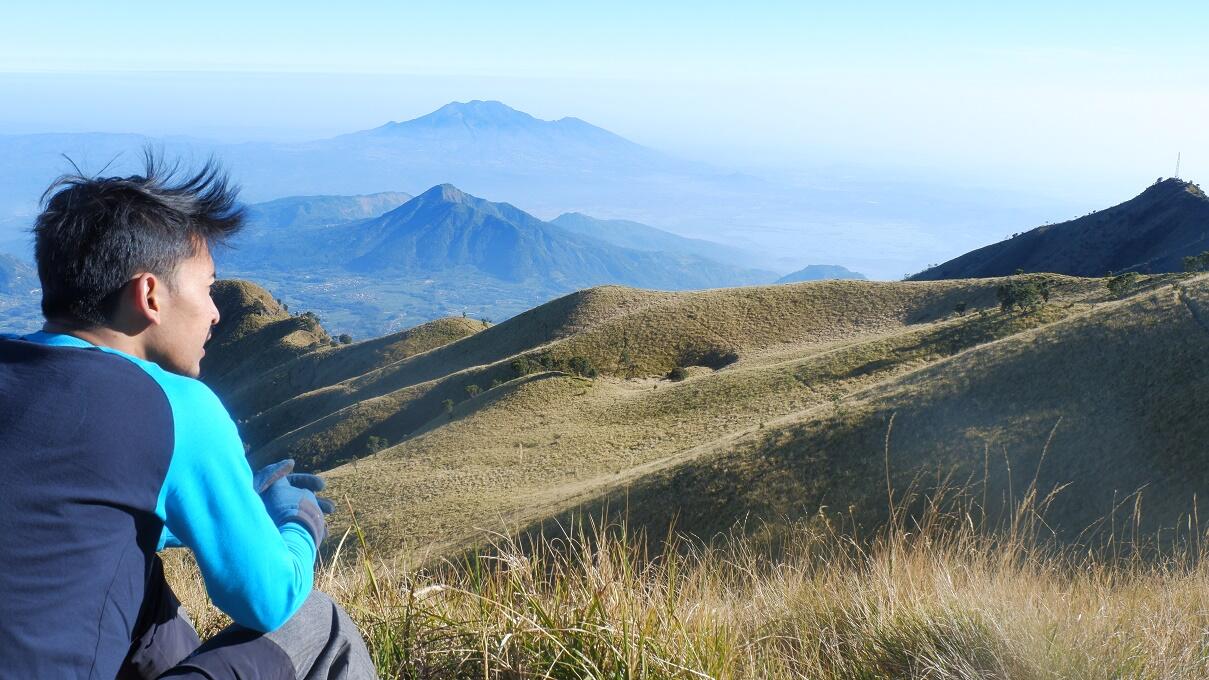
(577, 365)
(345, 339)
(375, 444)
(709, 356)
(447, 405)
(1119, 286)
(678, 373)
(1197, 263)
(581, 366)
(1025, 295)
(473, 390)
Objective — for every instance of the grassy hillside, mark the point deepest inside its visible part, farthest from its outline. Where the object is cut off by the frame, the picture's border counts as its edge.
(619, 333)
(764, 403)
(1102, 405)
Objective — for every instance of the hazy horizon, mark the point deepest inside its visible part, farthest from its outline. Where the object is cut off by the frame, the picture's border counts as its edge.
(1032, 113)
(1085, 101)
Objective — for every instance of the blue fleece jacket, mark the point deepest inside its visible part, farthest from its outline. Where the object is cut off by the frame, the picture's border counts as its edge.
(105, 459)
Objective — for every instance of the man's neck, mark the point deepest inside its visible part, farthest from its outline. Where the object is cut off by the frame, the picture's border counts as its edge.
(101, 337)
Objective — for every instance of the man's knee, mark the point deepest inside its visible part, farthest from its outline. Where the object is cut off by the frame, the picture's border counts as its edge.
(319, 640)
(321, 634)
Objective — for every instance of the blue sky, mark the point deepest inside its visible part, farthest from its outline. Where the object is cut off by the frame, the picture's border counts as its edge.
(1087, 98)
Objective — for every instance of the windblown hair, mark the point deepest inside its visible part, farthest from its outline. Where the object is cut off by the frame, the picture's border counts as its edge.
(95, 234)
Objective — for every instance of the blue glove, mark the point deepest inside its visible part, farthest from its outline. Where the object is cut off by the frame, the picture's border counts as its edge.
(265, 476)
(268, 474)
(314, 483)
(288, 503)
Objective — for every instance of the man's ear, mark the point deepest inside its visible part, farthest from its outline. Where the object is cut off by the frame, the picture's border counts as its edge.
(147, 297)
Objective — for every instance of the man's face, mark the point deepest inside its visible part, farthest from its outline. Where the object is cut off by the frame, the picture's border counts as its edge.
(187, 314)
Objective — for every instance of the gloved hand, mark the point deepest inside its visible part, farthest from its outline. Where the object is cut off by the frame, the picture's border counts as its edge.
(287, 503)
(265, 476)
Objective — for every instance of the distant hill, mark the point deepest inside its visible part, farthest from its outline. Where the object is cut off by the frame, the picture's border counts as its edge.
(20, 299)
(1150, 233)
(16, 277)
(638, 236)
(444, 228)
(445, 252)
(820, 272)
(317, 211)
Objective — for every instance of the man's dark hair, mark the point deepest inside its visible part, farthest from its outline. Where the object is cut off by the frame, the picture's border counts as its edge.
(96, 233)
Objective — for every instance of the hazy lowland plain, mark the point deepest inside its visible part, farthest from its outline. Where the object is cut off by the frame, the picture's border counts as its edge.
(650, 460)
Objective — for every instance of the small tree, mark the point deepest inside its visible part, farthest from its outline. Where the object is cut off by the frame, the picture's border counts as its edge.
(346, 339)
(1197, 263)
(1027, 296)
(960, 309)
(677, 374)
(448, 406)
(375, 444)
(582, 366)
(473, 390)
(1120, 285)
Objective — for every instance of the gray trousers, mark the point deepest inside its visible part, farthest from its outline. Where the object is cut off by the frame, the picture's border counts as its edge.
(318, 642)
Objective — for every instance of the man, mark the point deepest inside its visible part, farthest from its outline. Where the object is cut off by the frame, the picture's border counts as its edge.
(111, 450)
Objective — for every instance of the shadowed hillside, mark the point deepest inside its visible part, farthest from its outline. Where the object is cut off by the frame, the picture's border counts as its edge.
(261, 354)
(1150, 233)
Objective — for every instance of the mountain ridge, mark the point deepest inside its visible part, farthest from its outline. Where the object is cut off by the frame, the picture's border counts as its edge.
(1149, 233)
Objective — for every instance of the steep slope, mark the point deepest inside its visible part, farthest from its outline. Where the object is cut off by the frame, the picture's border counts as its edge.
(260, 354)
(1150, 233)
(820, 272)
(254, 333)
(329, 365)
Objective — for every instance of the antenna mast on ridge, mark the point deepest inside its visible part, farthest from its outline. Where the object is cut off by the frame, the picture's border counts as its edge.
(1177, 165)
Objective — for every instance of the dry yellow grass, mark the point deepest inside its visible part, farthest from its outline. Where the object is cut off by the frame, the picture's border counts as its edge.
(941, 598)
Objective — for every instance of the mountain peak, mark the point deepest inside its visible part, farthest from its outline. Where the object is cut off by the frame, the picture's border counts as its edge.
(474, 113)
(445, 192)
(1171, 187)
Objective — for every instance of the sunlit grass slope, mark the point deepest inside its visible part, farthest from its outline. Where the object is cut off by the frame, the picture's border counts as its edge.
(943, 596)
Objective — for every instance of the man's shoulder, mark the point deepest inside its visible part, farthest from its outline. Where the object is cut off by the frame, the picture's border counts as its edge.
(89, 369)
(189, 398)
